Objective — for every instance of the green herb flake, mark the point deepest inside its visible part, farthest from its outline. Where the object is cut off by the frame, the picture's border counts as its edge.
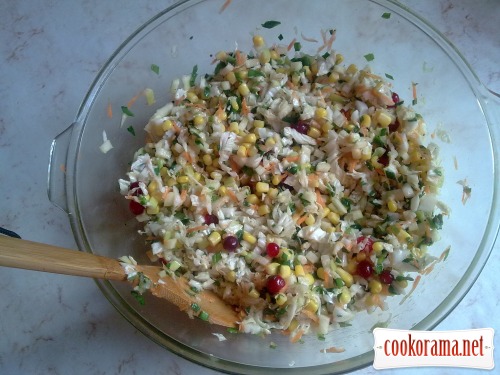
(252, 73)
(195, 307)
(297, 46)
(232, 330)
(194, 73)
(239, 234)
(270, 24)
(204, 316)
(127, 111)
(216, 258)
(389, 76)
(344, 324)
(321, 337)
(273, 345)
(280, 37)
(369, 57)
(414, 101)
(325, 55)
(155, 68)
(139, 297)
(131, 130)
(386, 15)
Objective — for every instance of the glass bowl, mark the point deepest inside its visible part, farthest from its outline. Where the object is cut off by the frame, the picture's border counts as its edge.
(450, 97)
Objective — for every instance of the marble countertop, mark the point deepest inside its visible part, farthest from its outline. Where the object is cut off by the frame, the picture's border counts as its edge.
(49, 54)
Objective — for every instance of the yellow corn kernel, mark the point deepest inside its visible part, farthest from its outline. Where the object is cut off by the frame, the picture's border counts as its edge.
(402, 283)
(311, 306)
(351, 267)
(272, 268)
(276, 179)
(285, 271)
(199, 120)
(273, 193)
(270, 142)
(167, 125)
(222, 191)
(334, 218)
(207, 159)
(361, 256)
(192, 97)
(264, 210)
(383, 119)
(254, 293)
(171, 181)
(325, 212)
(197, 176)
(250, 138)
(299, 270)
(280, 299)
(246, 145)
(351, 69)
(152, 208)
(214, 238)
(258, 41)
(183, 179)
(314, 133)
(274, 55)
(345, 296)
(252, 151)
(231, 77)
(242, 152)
(366, 153)
(321, 273)
(249, 238)
(234, 104)
(365, 121)
(378, 247)
(234, 127)
(265, 56)
(309, 279)
(261, 187)
(221, 55)
(333, 77)
(152, 187)
(326, 127)
(339, 58)
(310, 220)
(345, 276)
(375, 163)
(258, 124)
(392, 205)
(243, 89)
(375, 286)
(403, 236)
(253, 199)
(230, 276)
(320, 113)
(242, 75)
(164, 171)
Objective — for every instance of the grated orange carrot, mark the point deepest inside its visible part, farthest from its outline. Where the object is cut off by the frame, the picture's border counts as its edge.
(109, 110)
(233, 196)
(225, 5)
(196, 229)
(244, 107)
(301, 219)
(183, 196)
(415, 283)
(320, 199)
(165, 193)
(132, 101)
(414, 90)
(291, 158)
(291, 44)
(308, 39)
(297, 336)
(333, 349)
(186, 155)
(312, 316)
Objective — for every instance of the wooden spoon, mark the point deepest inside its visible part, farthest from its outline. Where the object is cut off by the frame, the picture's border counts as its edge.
(35, 256)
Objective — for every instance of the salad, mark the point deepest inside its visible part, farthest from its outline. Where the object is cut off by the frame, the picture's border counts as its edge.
(295, 186)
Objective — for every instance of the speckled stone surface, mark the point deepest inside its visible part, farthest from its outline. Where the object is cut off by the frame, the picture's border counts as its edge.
(49, 54)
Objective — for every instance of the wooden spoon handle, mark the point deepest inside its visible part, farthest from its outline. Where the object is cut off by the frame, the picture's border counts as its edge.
(48, 258)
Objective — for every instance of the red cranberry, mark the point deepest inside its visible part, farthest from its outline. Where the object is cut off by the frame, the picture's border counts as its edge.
(272, 249)
(275, 283)
(395, 99)
(136, 190)
(386, 277)
(394, 126)
(163, 261)
(211, 219)
(230, 243)
(302, 127)
(135, 207)
(384, 159)
(365, 244)
(364, 269)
